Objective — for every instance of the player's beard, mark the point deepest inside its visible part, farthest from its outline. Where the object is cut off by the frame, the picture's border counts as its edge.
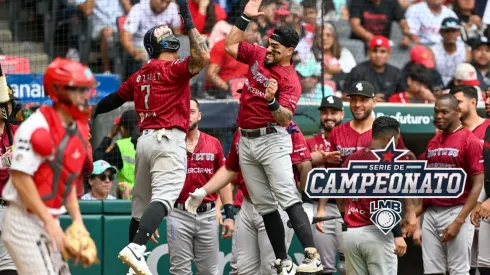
(193, 126)
(464, 116)
(362, 118)
(328, 128)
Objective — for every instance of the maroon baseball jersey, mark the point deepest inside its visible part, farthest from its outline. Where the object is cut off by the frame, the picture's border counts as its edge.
(161, 94)
(206, 159)
(318, 140)
(254, 111)
(300, 154)
(4, 144)
(346, 140)
(480, 130)
(242, 190)
(461, 149)
(238, 199)
(358, 212)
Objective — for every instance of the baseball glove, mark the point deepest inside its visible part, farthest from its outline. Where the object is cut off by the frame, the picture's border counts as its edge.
(79, 245)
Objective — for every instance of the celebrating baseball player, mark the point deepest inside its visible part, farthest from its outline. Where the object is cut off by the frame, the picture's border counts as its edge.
(328, 237)
(161, 94)
(447, 232)
(252, 250)
(50, 151)
(467, 97)
(267, 104)
(196, 236)
(367, 249)
(481, 213)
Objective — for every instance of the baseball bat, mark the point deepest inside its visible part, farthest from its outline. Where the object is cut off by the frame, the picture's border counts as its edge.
(318, 219)
(4, 99)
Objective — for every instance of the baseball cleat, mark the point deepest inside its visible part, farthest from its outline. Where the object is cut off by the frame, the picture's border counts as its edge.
(284, 267)
(134, 256)
(312, 263)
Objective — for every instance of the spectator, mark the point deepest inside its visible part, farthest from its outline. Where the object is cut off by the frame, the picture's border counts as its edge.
(223, 27)
(293, 18)
(309, 76)
(205, 14)
(369, 18)
(386, 78)
(421, 55)
(451, 51)
(105, 14)
(466, 75)
(223, 67)
(471, 22)
(141, 18)
(337, 59)
(310, 12)
(122, 153)
(100, 181)
(480, 59)
(418, 88)
(267, 20)
(424, 20)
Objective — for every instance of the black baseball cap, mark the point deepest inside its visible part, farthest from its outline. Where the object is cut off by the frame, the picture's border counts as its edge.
(478, 41)
(362, 88)
(450, 23)
(333, 102)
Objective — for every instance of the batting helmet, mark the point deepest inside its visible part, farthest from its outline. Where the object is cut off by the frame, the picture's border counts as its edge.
(160, 39)
(65, 73)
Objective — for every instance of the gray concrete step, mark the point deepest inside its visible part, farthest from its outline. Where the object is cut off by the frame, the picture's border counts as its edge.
(21, 48)
(4, 24)
(5, 35)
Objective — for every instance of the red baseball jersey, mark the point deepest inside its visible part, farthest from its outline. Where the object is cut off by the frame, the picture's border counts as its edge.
(4, 173)
(254, 111)
(461, 149)
(161, 94)
(346, 140)
(238, 199)
(206, 159)
(242, 190)
(480, 130)
(317, 141)
(358, 212)
(300, 154)
(402, 97)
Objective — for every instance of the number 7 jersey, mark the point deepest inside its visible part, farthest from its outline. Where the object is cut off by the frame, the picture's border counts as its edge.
(161, 94)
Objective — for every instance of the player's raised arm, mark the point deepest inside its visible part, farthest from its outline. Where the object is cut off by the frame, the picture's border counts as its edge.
(199, 49)
(236, 34)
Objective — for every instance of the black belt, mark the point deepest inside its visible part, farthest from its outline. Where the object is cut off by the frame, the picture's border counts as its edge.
(255, 133)
(201, 209)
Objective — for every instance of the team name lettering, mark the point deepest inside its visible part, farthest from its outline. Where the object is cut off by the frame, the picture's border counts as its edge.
(203, 156)
(259, 77)
(148, 77)
(200, 170)
(254, 90)
(450, 152)
(347, 151)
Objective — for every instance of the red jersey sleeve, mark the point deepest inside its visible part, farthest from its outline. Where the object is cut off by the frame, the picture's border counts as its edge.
(247, 52)
(232, 161)
(178, 69)
(473, 157)
(289, 96)
(217, 53)
(301, 153)
(126, 91)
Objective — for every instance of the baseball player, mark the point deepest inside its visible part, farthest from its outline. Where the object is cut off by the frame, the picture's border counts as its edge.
(267, 104)
(447, 233)
(481, 213)
(329, 236)
(467, 97)
(251, 249)
(196, 236)
(7, 266)
(50, 151)
(161, 94)
(367, 249)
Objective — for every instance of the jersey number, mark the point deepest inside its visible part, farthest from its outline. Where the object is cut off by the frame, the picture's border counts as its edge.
(146, 88)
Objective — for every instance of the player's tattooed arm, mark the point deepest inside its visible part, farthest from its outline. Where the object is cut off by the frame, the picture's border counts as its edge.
(283, 116)
(199, 52)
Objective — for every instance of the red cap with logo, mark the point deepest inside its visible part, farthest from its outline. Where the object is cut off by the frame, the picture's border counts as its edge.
(421, 55)
(379, 41)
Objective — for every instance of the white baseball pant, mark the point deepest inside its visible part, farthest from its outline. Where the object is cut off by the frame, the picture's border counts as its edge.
(453, 256)
(368, 250)
(160, 169)
(483, 245)
(193, 237)
(330, 242)
(267, 169)
(251, 248)
(29, 244)
(6, 262)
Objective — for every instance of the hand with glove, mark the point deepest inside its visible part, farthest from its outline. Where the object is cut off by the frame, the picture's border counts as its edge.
(195, 200)
(79, 246)
(185, 14)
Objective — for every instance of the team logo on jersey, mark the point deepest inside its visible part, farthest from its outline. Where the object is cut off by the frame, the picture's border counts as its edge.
(385, 214)
(386, 177)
